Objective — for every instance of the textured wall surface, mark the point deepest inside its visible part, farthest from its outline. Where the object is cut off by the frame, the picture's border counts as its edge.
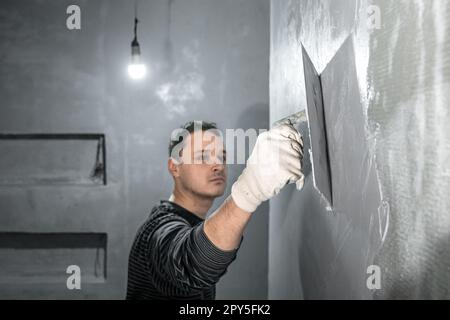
(207, 60)
(404, 80)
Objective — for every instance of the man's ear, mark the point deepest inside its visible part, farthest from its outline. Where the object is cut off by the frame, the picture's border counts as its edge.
(173, 167)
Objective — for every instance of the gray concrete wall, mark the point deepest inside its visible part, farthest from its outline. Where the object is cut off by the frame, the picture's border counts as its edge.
(207, 60)
(404, 85)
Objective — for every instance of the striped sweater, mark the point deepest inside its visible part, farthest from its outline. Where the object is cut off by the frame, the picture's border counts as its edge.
(173, 259)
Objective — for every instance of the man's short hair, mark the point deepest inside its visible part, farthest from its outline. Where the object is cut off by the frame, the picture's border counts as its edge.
(189, 127)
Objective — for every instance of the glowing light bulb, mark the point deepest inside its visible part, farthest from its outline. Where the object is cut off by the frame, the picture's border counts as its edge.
(136, 69)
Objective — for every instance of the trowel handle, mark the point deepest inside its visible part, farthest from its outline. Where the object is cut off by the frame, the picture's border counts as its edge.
(293, 119)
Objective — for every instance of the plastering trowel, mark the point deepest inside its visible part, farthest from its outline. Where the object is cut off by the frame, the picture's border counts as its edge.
(315, 118)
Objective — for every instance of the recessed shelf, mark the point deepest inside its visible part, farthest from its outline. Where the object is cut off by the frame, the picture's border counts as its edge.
(44, 257)
(52, 159)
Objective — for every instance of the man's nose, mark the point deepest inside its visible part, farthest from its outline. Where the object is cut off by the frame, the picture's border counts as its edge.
(218, 167)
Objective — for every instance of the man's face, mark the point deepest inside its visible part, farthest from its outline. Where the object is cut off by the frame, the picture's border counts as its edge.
(203, 170)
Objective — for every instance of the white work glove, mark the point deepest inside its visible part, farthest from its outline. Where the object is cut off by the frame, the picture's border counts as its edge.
(275, 162)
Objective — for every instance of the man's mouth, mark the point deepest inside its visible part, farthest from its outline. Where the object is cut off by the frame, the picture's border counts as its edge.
(218, 179)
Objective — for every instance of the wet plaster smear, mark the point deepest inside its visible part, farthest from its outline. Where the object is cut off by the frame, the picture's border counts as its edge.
(393, 180)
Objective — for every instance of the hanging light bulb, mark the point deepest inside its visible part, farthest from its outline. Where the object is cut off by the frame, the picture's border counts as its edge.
(136, 69)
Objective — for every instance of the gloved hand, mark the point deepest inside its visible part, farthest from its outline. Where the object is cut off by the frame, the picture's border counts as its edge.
(276, 161)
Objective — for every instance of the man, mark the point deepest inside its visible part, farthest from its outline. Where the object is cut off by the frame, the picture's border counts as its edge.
(177, 252)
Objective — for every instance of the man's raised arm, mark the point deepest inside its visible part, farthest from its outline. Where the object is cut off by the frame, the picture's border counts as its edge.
(275, 162)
